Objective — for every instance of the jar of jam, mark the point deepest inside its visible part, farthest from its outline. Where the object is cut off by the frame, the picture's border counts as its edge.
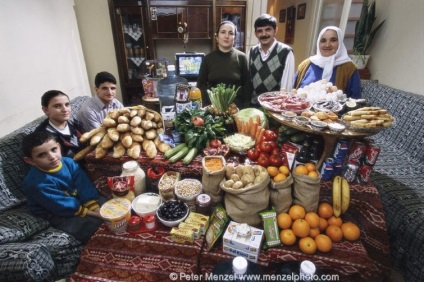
(204, 204)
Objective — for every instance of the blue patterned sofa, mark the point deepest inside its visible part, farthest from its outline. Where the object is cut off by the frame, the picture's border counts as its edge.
(399, 175)
(30, 249)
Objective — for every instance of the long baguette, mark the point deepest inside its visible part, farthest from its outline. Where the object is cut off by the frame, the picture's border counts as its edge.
(87, 136)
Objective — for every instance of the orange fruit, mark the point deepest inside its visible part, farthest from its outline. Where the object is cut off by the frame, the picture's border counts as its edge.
(334, 232)
(325, 210)
(287, 237)
(312, 219)
(324, 243)
(301, 228)
(313, 174)
(272, 171)
(301, 169)
(307, 245)
(314, 232)
(350, 231)
(297, 211)
(284, 220)
(311, 167)
(284, 170)
(279, 177)
(335, 221)
(323, 224)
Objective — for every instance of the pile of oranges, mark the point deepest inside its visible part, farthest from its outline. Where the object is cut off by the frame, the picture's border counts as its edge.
(278, 174)
(309, 169)
(315, 231)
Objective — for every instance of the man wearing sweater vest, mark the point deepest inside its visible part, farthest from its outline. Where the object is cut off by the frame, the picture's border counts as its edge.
(272, 65)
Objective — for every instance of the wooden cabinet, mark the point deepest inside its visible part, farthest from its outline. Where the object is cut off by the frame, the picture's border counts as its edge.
(179, 19)
(132, 46)
(234, 11)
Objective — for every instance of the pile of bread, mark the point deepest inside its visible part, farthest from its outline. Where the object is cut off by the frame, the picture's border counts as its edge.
(126, 131)
(322, 116)
(368, 117)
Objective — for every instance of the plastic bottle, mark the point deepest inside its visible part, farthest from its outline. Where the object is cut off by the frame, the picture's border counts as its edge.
(307, 271)
(132, 168)
(167, 86)
(237, 269)
(302, 156)
(195, 97)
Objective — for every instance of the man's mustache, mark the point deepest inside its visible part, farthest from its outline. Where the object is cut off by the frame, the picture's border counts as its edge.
(264, 37)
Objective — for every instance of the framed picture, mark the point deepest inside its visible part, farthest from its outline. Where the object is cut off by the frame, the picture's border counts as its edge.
(291, 19)
(282, 18)
(301, 10)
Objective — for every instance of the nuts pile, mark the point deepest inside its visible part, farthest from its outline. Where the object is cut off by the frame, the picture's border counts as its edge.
(167, 182)
(188, 187)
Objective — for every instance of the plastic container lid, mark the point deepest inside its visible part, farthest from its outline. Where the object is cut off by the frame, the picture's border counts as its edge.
(171, 67)
(130, 165)
(239, 265)
(307, 268)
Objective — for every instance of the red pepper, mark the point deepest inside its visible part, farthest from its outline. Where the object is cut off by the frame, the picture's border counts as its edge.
(155, 172)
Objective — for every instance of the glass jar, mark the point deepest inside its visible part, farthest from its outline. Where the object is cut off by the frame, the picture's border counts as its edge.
(132, 168)
(204, 204)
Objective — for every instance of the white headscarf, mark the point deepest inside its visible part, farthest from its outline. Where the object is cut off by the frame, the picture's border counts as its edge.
(328, 63)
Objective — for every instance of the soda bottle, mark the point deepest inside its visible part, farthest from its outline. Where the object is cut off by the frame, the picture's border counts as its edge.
(313, 154)
(302, 156)
(195, 97)
(167, 87)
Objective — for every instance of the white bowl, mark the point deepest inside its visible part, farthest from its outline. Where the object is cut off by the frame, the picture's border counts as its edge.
(336, 127)
(141, 209)
(302, 120)
(172, 222)
(288, 115)
(185, 185)
(318, 125)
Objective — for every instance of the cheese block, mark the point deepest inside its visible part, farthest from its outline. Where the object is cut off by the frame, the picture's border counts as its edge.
(147, 203)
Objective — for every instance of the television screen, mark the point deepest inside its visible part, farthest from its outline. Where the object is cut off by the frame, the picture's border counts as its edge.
(188, 64)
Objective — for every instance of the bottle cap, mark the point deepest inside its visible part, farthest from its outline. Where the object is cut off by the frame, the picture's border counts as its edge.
(171, 67)
(307, 268)
(203, 200)
(239, 265)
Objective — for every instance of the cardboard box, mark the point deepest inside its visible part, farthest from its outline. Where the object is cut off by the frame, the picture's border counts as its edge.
(250, 244)
(235, 252)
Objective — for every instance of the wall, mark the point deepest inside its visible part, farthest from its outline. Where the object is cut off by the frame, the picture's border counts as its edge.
(40, 50)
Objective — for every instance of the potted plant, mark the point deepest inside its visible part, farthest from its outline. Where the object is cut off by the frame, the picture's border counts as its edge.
(364, 33)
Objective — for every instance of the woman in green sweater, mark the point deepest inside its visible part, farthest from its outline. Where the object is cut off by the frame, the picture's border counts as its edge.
(225, 65)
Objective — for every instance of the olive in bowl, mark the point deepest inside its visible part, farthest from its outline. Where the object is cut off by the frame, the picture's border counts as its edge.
(171, 213)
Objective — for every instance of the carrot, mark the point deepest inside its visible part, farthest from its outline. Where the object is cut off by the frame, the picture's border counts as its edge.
(254, 130)
(250, 129)
(258, 131)
(242, 127)
(261, 134)
(237, 123)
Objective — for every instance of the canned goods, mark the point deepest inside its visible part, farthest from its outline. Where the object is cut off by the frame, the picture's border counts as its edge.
(341, 149)
(364, 174)
(350, 172)
(357, 152)
(327, 169)
(371, 154)
(337, 167)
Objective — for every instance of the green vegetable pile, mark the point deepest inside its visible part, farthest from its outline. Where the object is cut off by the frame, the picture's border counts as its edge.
(222, 96)
(199, 136)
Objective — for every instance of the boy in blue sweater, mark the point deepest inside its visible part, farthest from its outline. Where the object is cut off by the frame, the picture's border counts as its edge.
(58, 190)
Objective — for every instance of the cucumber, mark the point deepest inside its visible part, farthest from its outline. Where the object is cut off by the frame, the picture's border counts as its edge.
(174, 150)
(181, 154)
(190, 155)
(299, 137)
(290, 131)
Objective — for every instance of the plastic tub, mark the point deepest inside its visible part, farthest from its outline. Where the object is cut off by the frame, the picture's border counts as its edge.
(116, 214)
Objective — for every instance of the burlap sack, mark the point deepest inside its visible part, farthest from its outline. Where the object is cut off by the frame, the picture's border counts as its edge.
(306, 191)
(280, 194)
(211, 180)
(243, 205)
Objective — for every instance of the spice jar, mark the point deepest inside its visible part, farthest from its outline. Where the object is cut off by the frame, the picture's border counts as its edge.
(150, 221)
(204, 204)
(134, 223)
(153, 176)
(132, 168)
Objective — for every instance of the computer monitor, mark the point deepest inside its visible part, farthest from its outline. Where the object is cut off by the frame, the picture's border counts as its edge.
(187, 65)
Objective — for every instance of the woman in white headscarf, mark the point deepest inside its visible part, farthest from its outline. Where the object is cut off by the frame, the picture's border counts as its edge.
(331, 63)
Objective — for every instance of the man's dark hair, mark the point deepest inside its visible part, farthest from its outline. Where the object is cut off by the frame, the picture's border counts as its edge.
(45, 99)
(35, 139)
(264, 20)
(102, 77)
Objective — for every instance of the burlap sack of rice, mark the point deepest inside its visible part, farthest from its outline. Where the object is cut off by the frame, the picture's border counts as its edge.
(280, 194)
(243, 205)
(211, 180)
(306, 191)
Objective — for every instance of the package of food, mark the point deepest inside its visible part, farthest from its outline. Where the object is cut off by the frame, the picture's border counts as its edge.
(200, 219)
(182, 236)
(272, 236)
(148, 87)
(236, 252)
(193, 227)
(166, 185)
(243, 237)
(217, 224)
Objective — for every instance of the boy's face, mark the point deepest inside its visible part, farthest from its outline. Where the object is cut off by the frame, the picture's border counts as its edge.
(106, 92)
(58, 110)
(46, 156)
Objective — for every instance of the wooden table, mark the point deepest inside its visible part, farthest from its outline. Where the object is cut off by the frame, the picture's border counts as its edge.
(330, 138)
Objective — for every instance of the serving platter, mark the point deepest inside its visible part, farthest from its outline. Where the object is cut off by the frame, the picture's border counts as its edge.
(278, 101)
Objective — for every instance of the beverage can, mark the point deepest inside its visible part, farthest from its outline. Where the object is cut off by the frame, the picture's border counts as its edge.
(350, 172)
(337, 167)
(364, 173)
(341, 149)
(357, 152)
(371, 154)
(327, 169)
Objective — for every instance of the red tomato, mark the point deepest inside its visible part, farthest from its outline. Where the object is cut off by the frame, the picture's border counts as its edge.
(275, 160)
(263, 154)
(263, 161)
(253, 154)
(266, 146)
(273, 144)
(215, 143)
(258, 147)
(270, 135)
(276, 151)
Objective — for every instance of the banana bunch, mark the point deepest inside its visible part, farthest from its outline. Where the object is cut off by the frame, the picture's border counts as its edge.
(341, 195)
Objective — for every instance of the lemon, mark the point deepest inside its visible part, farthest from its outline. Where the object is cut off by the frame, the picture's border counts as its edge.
(272, 171)
(279, 177)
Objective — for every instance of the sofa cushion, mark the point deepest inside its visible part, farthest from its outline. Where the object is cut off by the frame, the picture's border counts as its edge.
(18, 225)
(26, 262)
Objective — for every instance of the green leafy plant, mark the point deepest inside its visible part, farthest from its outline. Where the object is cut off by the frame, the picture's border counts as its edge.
(364, 32)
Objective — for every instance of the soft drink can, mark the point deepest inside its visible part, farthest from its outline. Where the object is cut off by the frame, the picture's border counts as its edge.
(357, 152)
(371, 154)
(341, 150)
(337, 167)
(350, 172)
(364, 173)
(327, 169)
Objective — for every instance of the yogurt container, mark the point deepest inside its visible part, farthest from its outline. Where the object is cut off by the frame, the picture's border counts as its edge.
(116, 214)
